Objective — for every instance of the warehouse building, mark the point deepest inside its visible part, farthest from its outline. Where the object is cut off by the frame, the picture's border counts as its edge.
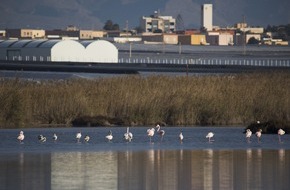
(58, 51)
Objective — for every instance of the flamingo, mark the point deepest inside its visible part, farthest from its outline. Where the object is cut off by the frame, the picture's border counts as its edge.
(87, 138)
(259, 134)
(41, 138)
(109, 136)
(209, 136)
(20, 136)
(280, 133)
(128, 136)
(248, 135)
(78, 136)
(150, 133)
(180, 137)
(160, 131)
(54, 137)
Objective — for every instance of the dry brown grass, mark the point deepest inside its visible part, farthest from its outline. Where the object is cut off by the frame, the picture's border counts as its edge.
(194, 100)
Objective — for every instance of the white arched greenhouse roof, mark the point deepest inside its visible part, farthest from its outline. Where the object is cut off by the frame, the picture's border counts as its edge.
(66, 50)
(59, 50)
(100, 51)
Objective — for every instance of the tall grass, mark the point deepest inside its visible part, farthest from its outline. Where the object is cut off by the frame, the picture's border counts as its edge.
(214, 99)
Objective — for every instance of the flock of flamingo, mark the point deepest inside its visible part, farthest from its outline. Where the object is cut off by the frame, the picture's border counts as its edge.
(128, 136)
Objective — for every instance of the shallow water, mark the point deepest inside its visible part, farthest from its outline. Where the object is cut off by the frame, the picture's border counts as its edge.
(229, 162)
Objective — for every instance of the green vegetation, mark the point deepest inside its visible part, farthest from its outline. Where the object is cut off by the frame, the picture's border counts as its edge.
(109, 25)
(137, 100)
(283, 31)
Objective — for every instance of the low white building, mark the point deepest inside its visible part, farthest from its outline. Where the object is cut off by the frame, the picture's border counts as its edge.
(58, 51)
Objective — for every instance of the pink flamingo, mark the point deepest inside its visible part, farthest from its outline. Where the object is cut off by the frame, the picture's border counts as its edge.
(20, 136)
(280, 133)
(259, 134)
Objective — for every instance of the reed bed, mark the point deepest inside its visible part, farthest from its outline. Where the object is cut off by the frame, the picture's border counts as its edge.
(137, 100)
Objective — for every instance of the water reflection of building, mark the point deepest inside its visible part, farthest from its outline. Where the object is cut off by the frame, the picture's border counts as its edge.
(25, 171)
(226, 169)
(208, 170)
(84, 170)
(169, 169)
(152, 169)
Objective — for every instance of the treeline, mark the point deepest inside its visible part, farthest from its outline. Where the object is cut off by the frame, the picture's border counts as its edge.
(137, 100)
(282, 31)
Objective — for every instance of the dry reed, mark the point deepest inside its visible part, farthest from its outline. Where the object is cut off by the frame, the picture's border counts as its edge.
(193, 100)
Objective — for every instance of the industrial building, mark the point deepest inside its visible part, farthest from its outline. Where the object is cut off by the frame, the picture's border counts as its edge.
(58, 51)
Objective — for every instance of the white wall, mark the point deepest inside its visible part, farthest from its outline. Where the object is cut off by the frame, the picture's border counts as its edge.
(225, 39)
(101, 51)
(68, 50)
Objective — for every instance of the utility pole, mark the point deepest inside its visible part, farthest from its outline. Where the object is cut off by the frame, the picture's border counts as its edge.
(127, 26)
(130, 53)
(244, 35)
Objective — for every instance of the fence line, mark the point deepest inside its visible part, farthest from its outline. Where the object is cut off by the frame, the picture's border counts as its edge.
(271, 62)
(220, 62)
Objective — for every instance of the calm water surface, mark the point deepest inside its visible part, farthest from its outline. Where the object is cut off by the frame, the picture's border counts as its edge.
(229, 162)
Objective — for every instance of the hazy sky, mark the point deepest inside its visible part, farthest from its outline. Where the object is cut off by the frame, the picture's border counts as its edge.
(92, 14)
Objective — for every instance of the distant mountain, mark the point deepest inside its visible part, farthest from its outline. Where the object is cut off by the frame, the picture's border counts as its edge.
(92, 14)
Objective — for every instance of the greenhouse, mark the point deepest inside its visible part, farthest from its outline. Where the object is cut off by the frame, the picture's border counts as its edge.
(100, 51)
(58, 51)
